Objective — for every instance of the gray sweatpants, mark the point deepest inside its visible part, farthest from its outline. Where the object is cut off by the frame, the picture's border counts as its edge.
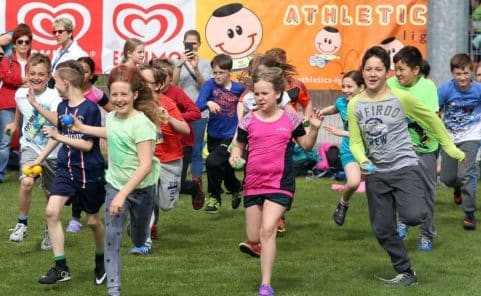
(400, 191)
(140, 205)
(428, 164)
(462, 173)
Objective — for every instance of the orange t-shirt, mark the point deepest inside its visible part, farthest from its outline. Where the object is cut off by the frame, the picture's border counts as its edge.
(297, 92)
(171, 147)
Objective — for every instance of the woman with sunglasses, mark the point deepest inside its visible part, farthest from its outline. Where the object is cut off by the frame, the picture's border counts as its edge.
(12, 76)
(69, 49)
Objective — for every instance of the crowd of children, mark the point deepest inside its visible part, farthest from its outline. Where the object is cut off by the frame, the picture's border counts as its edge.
(156, 117)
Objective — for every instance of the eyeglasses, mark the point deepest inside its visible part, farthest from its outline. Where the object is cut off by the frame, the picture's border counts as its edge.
(22, 42)
(55, 32)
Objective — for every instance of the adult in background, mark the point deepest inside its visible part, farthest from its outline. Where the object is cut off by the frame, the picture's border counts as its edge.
(12, 76)
(190, 73)
(69, 49)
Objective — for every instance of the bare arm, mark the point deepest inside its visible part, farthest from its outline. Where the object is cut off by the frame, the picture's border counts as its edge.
(144, 151)
(12, 126)
(308, 140)
(52, 133)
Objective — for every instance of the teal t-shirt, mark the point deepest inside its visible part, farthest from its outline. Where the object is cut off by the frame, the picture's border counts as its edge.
(425, 91)
(122, 138)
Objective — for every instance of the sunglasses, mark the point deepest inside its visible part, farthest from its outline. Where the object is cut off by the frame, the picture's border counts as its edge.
(55, 32)
(22, 42)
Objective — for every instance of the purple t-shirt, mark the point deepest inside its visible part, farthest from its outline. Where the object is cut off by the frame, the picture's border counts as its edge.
(269, 167)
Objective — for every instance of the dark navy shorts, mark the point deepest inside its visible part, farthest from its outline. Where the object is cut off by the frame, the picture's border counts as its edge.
(278, 198)
(90, 198)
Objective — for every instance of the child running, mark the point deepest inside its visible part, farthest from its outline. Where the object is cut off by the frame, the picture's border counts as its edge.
(380, 142)
(33, 141)
(269, 181)
(351, 83)
(132, 170)
(80, 171)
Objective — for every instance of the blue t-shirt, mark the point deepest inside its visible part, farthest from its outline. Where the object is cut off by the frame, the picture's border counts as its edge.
(81, 166)
(462, 111)
(341, 107)
(224, 124)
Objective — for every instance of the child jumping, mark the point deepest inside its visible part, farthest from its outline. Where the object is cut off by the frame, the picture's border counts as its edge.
(351, 83)
(269, 181)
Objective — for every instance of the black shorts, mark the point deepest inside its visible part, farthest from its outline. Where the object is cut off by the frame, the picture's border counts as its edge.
(91, 198)
(278, 198)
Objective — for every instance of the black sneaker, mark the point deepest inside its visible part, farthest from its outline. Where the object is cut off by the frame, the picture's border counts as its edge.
(340, 214)
(100, 275)
(54, 275)
(402, 279)
(469, 222)
(236, 199)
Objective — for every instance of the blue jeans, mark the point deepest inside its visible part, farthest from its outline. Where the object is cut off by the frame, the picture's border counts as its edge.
(199, 131)
(6, 117)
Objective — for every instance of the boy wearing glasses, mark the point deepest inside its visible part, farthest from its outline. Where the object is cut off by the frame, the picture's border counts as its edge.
(220, 95)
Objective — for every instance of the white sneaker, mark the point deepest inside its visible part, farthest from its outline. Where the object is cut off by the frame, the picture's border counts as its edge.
(18, 233)
(46, 245)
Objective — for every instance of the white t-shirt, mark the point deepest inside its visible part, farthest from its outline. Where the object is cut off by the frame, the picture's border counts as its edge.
(250, 102)
(73, 52)
(32, 123)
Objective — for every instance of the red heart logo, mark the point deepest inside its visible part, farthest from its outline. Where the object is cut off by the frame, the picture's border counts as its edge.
(41, 16)
(148, 24)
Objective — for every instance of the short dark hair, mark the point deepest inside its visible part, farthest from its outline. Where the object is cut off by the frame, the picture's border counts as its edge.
(356, 76)
(410, 55)
(223, 61)
(460, 61)
(425, 68)
(91, 64)
(379, 52)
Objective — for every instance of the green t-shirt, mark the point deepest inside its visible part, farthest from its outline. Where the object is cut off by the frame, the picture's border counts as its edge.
(122, 138)
(426, 92)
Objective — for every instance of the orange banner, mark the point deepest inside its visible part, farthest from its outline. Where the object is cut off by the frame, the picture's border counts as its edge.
(323, 39)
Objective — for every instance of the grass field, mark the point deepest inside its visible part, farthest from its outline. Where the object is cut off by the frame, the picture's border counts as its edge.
(197, 254)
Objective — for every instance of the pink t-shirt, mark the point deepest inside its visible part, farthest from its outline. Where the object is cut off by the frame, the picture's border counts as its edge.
(269, 162)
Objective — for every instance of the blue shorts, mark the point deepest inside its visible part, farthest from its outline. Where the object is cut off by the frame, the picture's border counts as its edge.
(278, 198)
(347, 157)
(90, 198)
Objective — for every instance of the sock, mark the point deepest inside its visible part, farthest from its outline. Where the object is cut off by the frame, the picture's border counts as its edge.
(409, 270)
(344, 203)
(99, 259)
(61, 261)
(23, 219)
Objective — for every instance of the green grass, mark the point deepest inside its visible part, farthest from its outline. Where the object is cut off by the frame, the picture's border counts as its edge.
(197, 254)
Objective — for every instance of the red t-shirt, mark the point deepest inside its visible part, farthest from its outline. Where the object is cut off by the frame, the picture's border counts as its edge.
(171, 147)
(297, 91)
(187, 108)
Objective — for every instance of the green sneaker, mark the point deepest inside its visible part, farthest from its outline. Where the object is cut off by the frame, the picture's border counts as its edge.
(213, 206)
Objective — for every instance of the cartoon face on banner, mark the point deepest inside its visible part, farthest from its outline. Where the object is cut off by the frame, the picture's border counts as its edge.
(159, 26)
(39, 15)
(327, 42)
(234, 30)
(392, 46)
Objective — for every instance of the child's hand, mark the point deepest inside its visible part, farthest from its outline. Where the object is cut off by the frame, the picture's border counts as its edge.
(367, 168)
(334, 130)
(50, 132)
(236, 161)
(213, 107)
(116, 205)
(316, 120)
(77, 125)
(164, 115)
(10, 129)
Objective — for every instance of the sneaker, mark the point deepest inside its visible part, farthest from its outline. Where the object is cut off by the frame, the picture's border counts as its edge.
(46, 244)
(402, 279)
(281, 225)
(54, 275)
(425, 244)
(249, 248)
(74, 226)
(213, 206)
(198, 196)
(100, 274)
(143, 250)
(402, 230)
(469, 222)
(340, 213)
(457, 199)
(236, 199)
(265, 290)
(18, 233)
(154, 233)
